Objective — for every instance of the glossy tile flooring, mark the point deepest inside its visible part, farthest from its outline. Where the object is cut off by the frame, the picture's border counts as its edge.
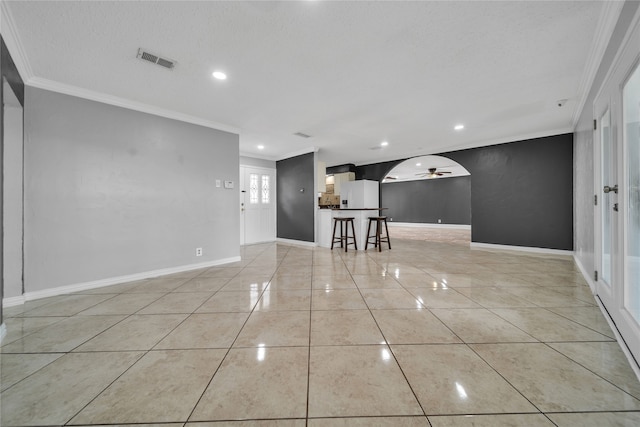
(428, 333)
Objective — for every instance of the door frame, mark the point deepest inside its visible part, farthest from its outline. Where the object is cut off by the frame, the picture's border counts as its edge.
(626, 61)
(243, 200)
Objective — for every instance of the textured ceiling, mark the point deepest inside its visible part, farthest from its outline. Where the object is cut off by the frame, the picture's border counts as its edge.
(350, 74)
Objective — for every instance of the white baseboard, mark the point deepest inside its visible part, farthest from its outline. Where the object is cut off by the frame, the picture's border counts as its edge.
(11, 301)
(296, 242)
(544, 251)
(428, 225)
(621, 343)
(61, 290)
(3, 332)
(588, 277)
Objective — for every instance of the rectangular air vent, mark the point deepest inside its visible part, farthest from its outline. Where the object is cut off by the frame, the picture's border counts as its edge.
(302, 135)
(145, 55)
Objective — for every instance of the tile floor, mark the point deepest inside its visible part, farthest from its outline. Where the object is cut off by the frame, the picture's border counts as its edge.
(429, 333)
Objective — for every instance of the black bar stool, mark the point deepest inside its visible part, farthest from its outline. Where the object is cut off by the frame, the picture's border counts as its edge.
(378, 238)
(344, 237)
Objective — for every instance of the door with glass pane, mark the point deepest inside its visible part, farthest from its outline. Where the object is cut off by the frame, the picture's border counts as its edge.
(630, 201)
(617, 215)
(258, 210)
(606, 202)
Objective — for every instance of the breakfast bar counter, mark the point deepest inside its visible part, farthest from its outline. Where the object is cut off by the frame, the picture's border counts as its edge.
(361, 221)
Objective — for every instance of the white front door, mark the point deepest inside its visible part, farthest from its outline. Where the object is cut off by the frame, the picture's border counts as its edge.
(617, 187)
(258, 205)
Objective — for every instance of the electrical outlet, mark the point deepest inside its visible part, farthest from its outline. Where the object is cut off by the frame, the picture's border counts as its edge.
(439, 221)
(198, 251)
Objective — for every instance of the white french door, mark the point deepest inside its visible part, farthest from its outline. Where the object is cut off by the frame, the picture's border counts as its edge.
(617, 183)
(257, 205)
(607, 205)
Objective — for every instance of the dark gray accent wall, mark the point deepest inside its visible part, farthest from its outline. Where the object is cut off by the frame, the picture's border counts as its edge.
(112, 192)
(428, 200)
(296, 209)
(376, 171)
(9, 72)
(521, 192)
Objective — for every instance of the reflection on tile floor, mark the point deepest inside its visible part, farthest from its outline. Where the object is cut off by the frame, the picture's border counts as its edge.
(428, 333)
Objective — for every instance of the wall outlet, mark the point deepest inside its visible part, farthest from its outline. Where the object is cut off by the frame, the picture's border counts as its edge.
(198, 251)
(439, 221)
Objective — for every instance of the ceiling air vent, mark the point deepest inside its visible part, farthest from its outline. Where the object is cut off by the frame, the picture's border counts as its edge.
(145, 55)
(302, 135)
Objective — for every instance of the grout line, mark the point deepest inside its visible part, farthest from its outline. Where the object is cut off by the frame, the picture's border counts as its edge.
(415, 396)
(231, 346)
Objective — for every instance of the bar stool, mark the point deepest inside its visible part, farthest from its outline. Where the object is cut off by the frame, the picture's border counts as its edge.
(344, 238)
(378, 238)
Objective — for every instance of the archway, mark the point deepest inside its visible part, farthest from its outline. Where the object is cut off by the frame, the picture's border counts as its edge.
(428, 192)
(418, 168)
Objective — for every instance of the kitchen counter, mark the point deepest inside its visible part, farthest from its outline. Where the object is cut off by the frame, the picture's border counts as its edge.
(360, 223)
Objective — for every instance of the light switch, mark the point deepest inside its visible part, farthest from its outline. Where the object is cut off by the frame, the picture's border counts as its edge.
(218, 183)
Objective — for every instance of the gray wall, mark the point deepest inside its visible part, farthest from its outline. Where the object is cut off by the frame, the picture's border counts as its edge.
(428, 200)
(296, 209)
(9, 72)
(259, 163)
(583, 149)
(13, 180)
(112, 192)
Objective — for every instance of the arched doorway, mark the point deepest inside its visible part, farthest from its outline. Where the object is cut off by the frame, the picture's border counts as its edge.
(428, 197)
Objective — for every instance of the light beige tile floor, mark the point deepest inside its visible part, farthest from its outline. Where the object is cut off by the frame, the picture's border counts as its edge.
(426, 334)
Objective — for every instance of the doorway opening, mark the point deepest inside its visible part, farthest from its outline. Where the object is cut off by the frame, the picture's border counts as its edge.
(428, 198)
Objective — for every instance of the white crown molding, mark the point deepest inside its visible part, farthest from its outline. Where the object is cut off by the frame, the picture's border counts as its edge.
(259, 157)
(61, 290)
(11, 39)
(604, 29)
(544, 251)
(54, 86)
(440, 151)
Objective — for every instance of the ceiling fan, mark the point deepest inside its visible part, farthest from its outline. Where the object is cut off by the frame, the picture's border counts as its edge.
(433, 173)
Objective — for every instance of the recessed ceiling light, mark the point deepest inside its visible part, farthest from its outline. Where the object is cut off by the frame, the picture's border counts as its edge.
(219, 75)
(384, 143)
(418, 164)
(260, 147)
(459, 127)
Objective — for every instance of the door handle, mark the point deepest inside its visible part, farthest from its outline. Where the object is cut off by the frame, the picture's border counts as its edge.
(607, 189)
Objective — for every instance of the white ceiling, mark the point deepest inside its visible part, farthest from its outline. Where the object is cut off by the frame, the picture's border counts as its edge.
(350, 74)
